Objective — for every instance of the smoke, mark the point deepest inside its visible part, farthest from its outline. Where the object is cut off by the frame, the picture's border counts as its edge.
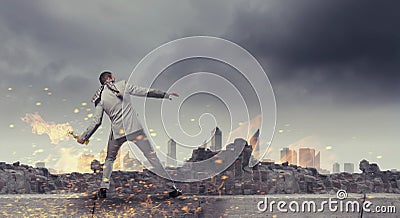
(246, 130)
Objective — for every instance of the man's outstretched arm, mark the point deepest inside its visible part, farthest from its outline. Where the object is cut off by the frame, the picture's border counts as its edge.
(94, 124)
(152, 93)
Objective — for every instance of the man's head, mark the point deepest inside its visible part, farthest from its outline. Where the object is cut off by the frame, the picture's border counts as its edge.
(104, 76)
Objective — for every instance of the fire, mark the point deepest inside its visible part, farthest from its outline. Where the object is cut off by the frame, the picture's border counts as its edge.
(56, 132)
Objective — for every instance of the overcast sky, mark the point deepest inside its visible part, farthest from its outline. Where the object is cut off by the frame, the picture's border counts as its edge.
(334, 67)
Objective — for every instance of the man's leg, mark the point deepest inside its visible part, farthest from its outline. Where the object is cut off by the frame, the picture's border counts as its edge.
(112, 151)
(140, 139)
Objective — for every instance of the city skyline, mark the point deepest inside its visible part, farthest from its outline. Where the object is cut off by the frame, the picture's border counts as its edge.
(310, 157)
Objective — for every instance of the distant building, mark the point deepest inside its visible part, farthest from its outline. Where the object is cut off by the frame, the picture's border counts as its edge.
(216, 140)
(288, 155)
(40, 165)
(317, 161)
(84, 162)
(294, 157)
(131, 164)
(171, 153)
(255, 142)
(54, 171)
(268, 160)
(348, 167)
(307, 157)
(336, 167)
(323, 171)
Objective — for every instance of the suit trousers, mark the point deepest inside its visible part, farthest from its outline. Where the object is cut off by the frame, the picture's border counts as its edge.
(140, 139)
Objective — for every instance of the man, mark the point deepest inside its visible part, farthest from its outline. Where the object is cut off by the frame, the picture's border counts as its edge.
(109, 99)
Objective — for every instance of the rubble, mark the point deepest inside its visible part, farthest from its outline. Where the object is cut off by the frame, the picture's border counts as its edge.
(237, 179)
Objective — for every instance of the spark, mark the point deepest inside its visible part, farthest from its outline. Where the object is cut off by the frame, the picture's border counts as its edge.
(38, 103)
(379, 156)
(192, 120)
(38, 151)
(281, 131)
(84, 104)
(139, 137)
(76, 110)
(153, 134)
(10, 89)
(218, 161)
(224, 177)
(328, 147)
(90, 115)
(46, 89)
(11, 126)
(121, 131)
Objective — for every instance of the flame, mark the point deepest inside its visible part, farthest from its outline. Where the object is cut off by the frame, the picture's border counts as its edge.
(56, 132)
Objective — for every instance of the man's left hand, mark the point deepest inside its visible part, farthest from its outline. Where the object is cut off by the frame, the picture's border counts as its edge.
(172, 94)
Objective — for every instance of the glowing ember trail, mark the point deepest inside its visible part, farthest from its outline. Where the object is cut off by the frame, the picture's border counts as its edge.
(56, 132)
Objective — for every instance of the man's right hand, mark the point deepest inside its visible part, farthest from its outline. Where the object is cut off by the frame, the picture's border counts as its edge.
(80, 140)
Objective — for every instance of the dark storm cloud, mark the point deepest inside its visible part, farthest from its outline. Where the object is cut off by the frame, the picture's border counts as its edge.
(347, 49)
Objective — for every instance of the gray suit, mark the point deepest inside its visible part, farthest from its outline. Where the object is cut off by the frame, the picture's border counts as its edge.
(113, 107)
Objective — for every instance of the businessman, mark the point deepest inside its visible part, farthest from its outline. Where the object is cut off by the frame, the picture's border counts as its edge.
(124, 124)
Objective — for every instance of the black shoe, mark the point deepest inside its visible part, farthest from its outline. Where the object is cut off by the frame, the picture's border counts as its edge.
(102, 193)
(175, 193)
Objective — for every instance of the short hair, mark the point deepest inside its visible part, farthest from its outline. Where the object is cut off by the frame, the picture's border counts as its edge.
(104, 76)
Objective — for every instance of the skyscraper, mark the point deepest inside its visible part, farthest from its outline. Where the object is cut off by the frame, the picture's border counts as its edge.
(216, 140)
(285, 155)
(317, 161)
(348, 167)
(288, 155)
(255, 142)
(294, 157)
(336, 167)
(171, 153)
(307, 157)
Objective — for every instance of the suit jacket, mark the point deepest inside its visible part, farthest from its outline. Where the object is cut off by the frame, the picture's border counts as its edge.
(112, 106)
